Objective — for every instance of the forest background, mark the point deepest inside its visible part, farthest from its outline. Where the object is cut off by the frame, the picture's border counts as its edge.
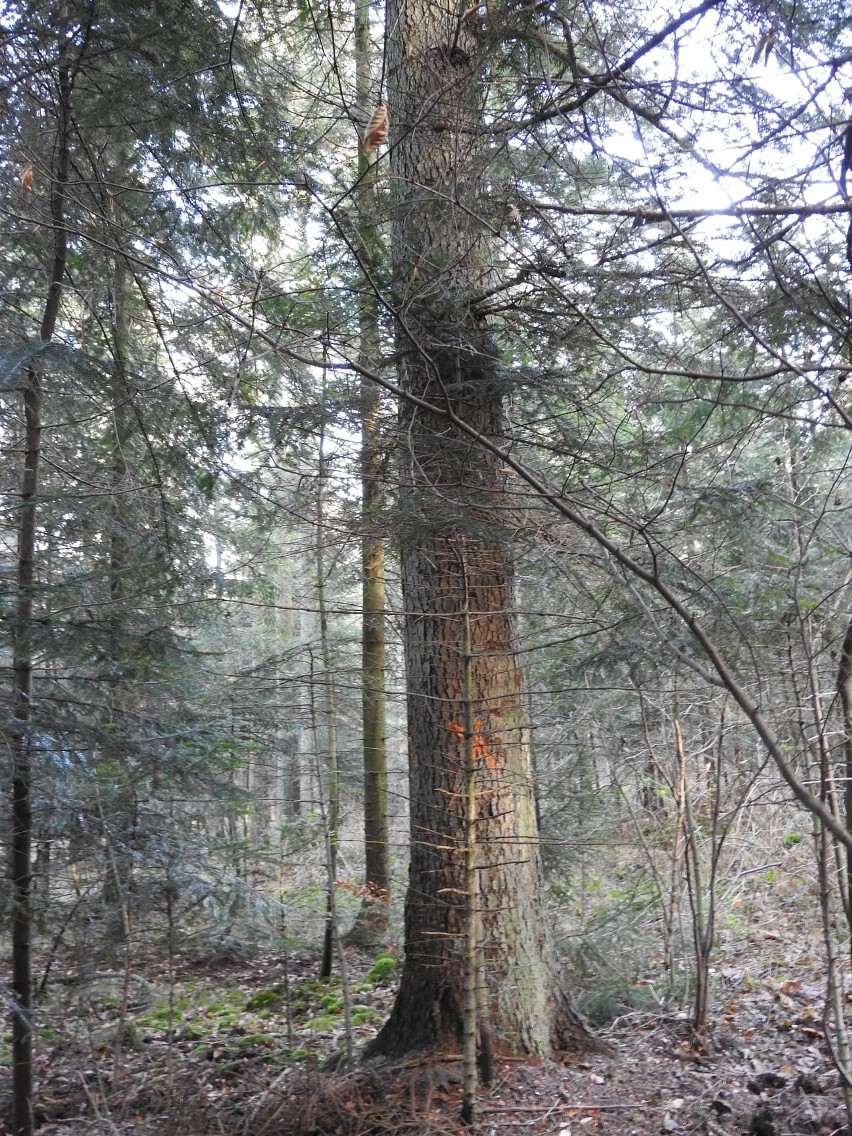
(529, 407)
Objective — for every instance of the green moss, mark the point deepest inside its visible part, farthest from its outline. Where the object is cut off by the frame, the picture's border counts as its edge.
(383, 970)
(262, 1039)
(193, 1031)
(324, 1022)
(267, 999)
(363, 1014)
(227, 1015)
(162, 1014)
(298, 1053)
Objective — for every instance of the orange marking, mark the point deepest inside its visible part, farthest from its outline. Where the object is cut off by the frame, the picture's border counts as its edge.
(480, 749)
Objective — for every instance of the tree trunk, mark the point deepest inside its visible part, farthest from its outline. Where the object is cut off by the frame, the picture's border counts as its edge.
(331, 815)
(23, 651)
(844, 688)
(121, 817)
(372, 919)
(526, 1009)
(21, 835)
(451, 494)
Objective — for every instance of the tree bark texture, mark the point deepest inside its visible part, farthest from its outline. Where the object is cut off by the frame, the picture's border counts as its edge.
(451, 494)
(373, 917)
(21, 835)
(23, 647)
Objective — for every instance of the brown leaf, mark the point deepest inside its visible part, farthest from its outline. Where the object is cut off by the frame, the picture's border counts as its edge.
(377, 131)
(765, 43)
(770, 43)
(27, 178)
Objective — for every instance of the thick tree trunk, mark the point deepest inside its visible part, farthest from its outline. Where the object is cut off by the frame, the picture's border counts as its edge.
(524, 1006)
(451, 496)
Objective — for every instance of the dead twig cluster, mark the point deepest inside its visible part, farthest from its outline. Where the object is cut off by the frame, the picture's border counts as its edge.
(388, 1099)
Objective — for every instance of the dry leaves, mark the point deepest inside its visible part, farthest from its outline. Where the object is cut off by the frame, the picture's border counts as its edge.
(377, 131)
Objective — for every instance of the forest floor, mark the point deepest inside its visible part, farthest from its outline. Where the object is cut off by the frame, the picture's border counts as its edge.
(242, 1049)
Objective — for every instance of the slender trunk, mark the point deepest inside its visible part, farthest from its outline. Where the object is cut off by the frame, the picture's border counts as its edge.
(23, 649)
(468, 1114)
(838, 1044)
(120, 822)
(373, 918)
(332, 936)
(844, 687)
(118, 882)
(677, 853)
(22, 1068)
(838, 1039)
(332, 814)
(697, 891)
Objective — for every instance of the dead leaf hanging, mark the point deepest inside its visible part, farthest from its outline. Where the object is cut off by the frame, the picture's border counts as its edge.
(765, 45)
(377, 131)
(27, 179)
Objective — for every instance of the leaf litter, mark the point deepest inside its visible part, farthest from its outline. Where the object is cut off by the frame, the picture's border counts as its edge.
(243, 1049)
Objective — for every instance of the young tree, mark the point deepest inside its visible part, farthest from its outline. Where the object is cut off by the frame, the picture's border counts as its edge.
(106, 536)
(372, 921)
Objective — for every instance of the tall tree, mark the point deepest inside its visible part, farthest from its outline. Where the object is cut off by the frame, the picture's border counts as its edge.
(373, 920)
(456, 559)
(24, 730)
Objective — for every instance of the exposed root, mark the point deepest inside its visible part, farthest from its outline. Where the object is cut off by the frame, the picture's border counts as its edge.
(385, 1098)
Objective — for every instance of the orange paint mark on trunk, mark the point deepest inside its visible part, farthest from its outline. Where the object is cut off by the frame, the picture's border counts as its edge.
(480, 749)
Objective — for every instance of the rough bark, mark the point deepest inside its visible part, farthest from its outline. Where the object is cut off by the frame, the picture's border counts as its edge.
(23, 651)
(21, 835)
(526, 1009)
(451, 494)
